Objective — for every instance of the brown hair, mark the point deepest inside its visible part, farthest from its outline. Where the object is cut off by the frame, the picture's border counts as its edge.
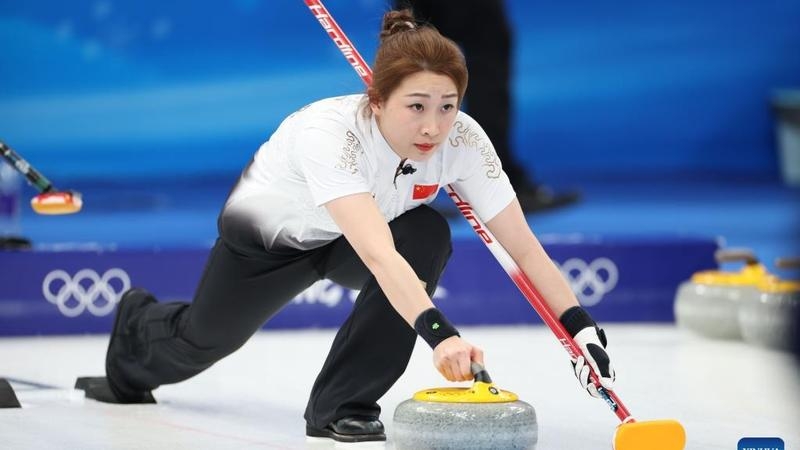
(407, 48)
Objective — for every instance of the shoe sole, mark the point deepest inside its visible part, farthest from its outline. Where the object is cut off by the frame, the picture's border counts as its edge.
(98, 388)
(330, 442)
(317, 435)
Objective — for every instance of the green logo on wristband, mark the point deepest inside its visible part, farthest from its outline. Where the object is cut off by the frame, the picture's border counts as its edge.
(435, 325)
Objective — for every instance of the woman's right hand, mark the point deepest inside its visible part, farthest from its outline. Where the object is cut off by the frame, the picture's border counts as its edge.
(453, 357)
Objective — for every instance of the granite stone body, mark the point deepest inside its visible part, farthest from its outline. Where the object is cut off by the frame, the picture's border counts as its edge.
(420, 425)
(769, 319)
(711, 310)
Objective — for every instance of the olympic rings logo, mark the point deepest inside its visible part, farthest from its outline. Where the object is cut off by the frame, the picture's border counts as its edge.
(590, 282)
(86, 290)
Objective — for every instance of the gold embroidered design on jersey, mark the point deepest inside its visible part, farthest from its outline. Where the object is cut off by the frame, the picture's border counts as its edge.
(470, 138)
(350, 151)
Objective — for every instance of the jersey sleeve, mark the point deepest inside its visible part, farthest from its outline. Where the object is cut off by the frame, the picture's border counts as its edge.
(481, 180)
(331, 157)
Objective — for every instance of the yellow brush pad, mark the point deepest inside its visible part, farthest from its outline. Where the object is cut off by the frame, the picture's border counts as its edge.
(650, 435)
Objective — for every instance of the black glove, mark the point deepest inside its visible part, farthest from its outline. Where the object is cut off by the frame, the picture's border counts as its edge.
(591, 340)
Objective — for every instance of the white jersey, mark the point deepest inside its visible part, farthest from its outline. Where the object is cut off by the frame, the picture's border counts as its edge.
(330, 149)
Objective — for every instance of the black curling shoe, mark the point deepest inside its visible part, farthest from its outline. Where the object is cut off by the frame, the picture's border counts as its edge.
(121, 347)
(350, 429)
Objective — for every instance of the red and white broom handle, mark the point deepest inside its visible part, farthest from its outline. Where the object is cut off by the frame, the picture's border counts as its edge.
(347, 48)
(506, 261)
(533, 296)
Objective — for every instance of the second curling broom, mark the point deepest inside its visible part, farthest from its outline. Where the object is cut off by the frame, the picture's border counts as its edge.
(50, 200)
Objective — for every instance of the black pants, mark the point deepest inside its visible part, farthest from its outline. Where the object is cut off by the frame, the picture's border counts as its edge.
(244, 285)
(481, 28)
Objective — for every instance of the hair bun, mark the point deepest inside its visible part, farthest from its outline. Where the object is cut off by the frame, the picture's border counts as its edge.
(397, 21)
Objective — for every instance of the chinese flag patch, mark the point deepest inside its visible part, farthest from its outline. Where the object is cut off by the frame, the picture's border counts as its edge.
(423, 191)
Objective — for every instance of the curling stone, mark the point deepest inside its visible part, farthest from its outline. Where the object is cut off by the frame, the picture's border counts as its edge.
(768, 317)
(708, 303)
(478, 417)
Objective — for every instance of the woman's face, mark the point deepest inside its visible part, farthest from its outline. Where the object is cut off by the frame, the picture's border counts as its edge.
(418, 115)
